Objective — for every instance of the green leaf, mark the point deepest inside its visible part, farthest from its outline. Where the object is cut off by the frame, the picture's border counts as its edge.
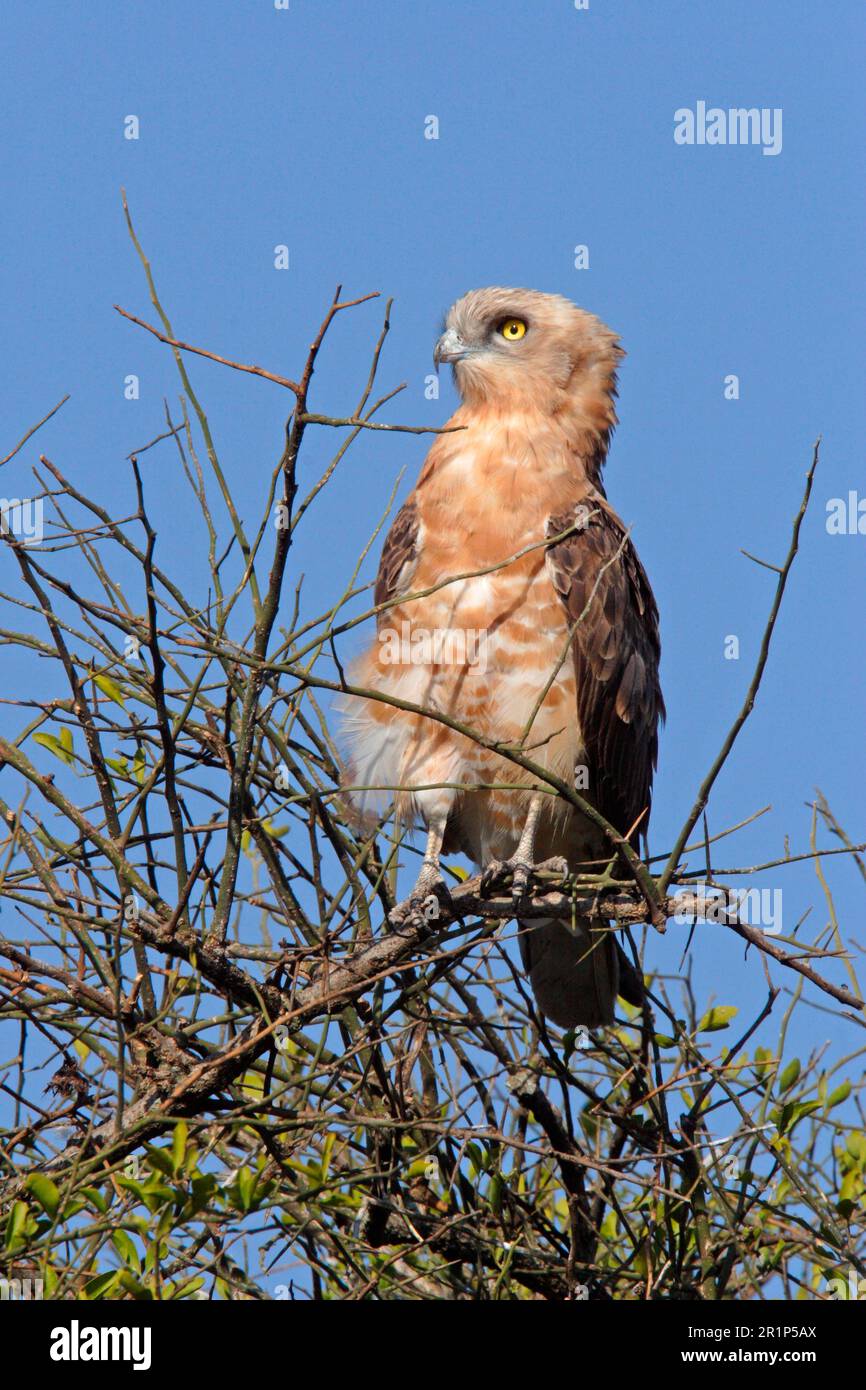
(101, 1285)
(840, 1094)
(95, 1199)
(848, 1190)
(477, 1160)
(178, 1144)
(139, 766)
(789, 1076)
(125, 1247)
(16, 1223)
(133, 1185)
(190, 1159)
(188, 1289)
(245, 1184)
(131, 1285)
(160, 1160)
(792, 1111)
(253, 1083)
(764, 1059)
(166, 1222)
(152, 1194)
(72, 1207)
(61, 747)
(717, 1018)
(46, 1192)
(203, 1189)
(111, 689)
(856, 1146)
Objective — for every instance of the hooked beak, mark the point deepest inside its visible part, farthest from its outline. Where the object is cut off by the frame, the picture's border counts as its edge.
(450, 347)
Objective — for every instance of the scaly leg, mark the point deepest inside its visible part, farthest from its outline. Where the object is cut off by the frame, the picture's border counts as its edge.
(520, 867)
(430, 885)
(430, 877)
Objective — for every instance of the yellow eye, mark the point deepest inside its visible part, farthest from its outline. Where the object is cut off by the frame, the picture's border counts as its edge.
(512, 329)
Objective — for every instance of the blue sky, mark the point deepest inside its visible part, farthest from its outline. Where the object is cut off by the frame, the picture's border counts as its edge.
(305, 127)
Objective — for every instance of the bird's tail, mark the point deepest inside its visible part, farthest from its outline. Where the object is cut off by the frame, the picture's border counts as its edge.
(577, 971)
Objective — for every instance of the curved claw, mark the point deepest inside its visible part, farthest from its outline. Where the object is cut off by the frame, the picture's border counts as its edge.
(422, 908)
(500, 870)
(556, 865)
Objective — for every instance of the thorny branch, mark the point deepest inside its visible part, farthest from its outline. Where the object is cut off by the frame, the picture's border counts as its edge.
(225, 1071)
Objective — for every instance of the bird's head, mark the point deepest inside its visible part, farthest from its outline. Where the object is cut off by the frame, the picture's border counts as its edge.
(521, 346)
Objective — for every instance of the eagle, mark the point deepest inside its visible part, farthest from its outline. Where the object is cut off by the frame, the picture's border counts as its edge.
(511, 602)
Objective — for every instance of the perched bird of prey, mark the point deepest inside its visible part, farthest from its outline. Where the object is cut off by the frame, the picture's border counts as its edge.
(515, 604)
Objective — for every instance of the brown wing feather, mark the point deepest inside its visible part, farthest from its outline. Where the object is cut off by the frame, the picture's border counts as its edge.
(399, 555)
(616, 653)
